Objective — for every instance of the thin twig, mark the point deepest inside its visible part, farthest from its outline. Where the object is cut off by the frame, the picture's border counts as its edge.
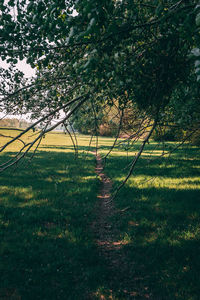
(116, 138)
(41, 120)
(11, 137)
(30, 145)
(71, 137)
(74, 133)
(135, 160)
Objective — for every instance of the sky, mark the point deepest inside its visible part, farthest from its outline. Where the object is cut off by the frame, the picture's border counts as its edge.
(29, 72)
(22, 66)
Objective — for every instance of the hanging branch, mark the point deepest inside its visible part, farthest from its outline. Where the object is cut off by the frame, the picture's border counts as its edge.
(116, 138)
(139, 132)
(31, 144)
(41, 120)
(166, 153)
(74, 133)
(37, 146)
(39, 142)
(11, 129)
(39, 86)
(3, 117)
(134, 140)
(135, 160)
(179, 145)
(18, 158)
(11, 137)
(89, 146)
(96, 125)
(71, 137)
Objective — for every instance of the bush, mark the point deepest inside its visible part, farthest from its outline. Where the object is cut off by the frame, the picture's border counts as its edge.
(167, 134)
(195, 138)
(107, 130)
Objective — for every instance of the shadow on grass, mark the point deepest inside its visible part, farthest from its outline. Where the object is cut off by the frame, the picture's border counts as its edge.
(176, 166)
(47, 247)
(160, 224)
(161, 229)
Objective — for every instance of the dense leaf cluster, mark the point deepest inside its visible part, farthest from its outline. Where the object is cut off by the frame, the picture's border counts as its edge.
(139, 51)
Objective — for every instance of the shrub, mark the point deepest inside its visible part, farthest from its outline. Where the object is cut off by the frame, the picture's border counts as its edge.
(166, 133)
(195, 138)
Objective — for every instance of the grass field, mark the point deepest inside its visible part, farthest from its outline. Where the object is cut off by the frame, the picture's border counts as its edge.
(47, 206)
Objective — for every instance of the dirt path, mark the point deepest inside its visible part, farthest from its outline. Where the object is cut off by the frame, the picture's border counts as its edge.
(105, 230)
(106, 234)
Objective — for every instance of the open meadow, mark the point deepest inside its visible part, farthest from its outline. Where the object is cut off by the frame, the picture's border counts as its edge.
(48, 205)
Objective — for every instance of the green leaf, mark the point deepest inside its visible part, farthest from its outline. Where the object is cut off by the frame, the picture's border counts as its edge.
(197, 7)
(197, 71)
(198, 19)
(159, 9)
(195, 52)
(11, 3)
(197, 63)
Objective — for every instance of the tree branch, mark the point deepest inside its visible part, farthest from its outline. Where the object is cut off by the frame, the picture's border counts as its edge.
(41, 120)
(135, 160)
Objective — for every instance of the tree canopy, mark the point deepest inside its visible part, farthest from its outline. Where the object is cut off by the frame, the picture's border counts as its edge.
(94, 53)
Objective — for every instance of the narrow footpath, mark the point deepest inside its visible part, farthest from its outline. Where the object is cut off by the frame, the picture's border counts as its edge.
(107, 237)
(105, 230)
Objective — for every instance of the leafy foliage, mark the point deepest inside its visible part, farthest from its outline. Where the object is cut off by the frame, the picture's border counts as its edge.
(130, 51)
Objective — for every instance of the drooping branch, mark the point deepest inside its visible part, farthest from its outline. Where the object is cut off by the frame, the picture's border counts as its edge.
(135, 159)
(95, 124)
(89, 145)
(42, 119)
(116, 138)
(28, 146)
(11, 137)
(186, 138)
(71, 137)
(74, 134)
(39, 141)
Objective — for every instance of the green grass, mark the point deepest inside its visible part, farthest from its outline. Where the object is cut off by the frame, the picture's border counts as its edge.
(47, 207)
(161, 223)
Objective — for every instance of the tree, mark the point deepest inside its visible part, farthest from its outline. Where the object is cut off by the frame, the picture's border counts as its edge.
(92, 52)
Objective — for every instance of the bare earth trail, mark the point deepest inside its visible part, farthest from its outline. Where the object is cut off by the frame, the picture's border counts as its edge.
(107, 235)
(105, 231)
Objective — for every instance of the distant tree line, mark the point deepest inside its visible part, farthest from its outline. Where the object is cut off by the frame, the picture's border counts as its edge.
(15, 123)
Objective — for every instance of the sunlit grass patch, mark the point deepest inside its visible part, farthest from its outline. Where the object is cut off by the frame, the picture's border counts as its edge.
(160, 182)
